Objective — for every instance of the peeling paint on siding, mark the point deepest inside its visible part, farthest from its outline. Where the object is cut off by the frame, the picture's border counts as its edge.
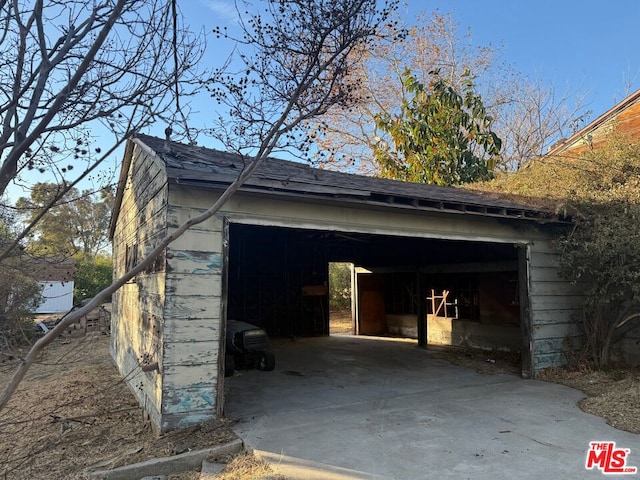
(186, 400)
(188, 376)
(190, 307)
(190, 353)
(194, 262)
(198, 241)
(556, 309)
(188, 330)
(138, 307)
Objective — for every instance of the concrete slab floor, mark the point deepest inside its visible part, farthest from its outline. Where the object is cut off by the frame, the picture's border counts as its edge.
(360, 407)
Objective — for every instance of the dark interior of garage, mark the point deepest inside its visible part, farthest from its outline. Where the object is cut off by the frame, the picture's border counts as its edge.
(466, 291)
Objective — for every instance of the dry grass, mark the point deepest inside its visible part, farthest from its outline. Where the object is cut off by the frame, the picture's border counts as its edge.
(613, 394)
(482, 361)
(73, 412)
(190, 475)
(248, 467)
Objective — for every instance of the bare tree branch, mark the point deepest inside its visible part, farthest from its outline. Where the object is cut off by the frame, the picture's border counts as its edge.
(83, 64)
(299, 70)
(107, 62)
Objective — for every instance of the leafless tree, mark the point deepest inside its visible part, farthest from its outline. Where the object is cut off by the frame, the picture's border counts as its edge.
(297, 69)
(528, 115)
(69, 68)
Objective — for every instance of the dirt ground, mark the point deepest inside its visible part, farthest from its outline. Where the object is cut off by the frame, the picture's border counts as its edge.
(73, 412)
(340, 322)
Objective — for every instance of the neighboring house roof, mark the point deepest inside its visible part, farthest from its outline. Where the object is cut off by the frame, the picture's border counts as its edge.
(51, 270)
(626, 114)
(213, 169)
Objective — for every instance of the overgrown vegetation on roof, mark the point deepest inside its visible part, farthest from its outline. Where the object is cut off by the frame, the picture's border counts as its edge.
(600, 190)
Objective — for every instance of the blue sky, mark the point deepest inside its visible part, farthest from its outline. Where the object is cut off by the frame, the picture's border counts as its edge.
(582, 48)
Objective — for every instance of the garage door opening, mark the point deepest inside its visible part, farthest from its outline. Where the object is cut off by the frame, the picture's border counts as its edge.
(340, 296)
(442, 293)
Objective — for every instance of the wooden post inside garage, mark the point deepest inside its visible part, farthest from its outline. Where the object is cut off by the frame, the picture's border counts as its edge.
(421, 312)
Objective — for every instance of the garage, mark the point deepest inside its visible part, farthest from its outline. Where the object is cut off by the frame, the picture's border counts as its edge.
(445, 266)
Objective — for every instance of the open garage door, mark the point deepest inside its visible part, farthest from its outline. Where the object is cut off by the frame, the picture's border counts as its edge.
(440, 292)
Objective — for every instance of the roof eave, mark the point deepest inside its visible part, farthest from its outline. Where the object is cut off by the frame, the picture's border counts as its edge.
(393, 201)
(122, 181)
(602, 119)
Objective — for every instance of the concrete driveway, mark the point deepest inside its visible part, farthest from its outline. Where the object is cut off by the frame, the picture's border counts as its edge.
(345, 407)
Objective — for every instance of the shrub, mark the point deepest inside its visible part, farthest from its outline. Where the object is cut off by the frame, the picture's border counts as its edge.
(19, 299)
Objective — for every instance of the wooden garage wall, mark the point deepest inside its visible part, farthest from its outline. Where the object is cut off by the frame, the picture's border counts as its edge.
(138, 307)
(555, 307)
(192, 316)
(554, 302)
(277, 280)
(194, 270)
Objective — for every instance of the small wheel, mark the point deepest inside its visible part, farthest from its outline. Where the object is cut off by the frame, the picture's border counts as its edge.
(229, 365)
(267, 361)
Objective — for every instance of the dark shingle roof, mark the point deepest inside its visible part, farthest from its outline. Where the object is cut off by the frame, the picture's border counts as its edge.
(215, 169)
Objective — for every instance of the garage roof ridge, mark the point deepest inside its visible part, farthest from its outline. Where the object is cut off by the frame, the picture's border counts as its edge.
(214, 169)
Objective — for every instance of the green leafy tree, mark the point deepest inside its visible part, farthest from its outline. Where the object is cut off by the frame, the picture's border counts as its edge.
(441, 136)
(339, 286)
(19, 299)
(77, 225)
(529, 114)
(603, 254)
(19, 295)
(92, 274)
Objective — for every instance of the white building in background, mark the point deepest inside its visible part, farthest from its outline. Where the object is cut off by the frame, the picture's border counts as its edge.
(57, 297)
(56, 278)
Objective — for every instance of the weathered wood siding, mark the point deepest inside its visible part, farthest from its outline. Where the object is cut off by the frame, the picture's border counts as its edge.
(555, 307)
(138, 307)
(192, 314)
(186, 305)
